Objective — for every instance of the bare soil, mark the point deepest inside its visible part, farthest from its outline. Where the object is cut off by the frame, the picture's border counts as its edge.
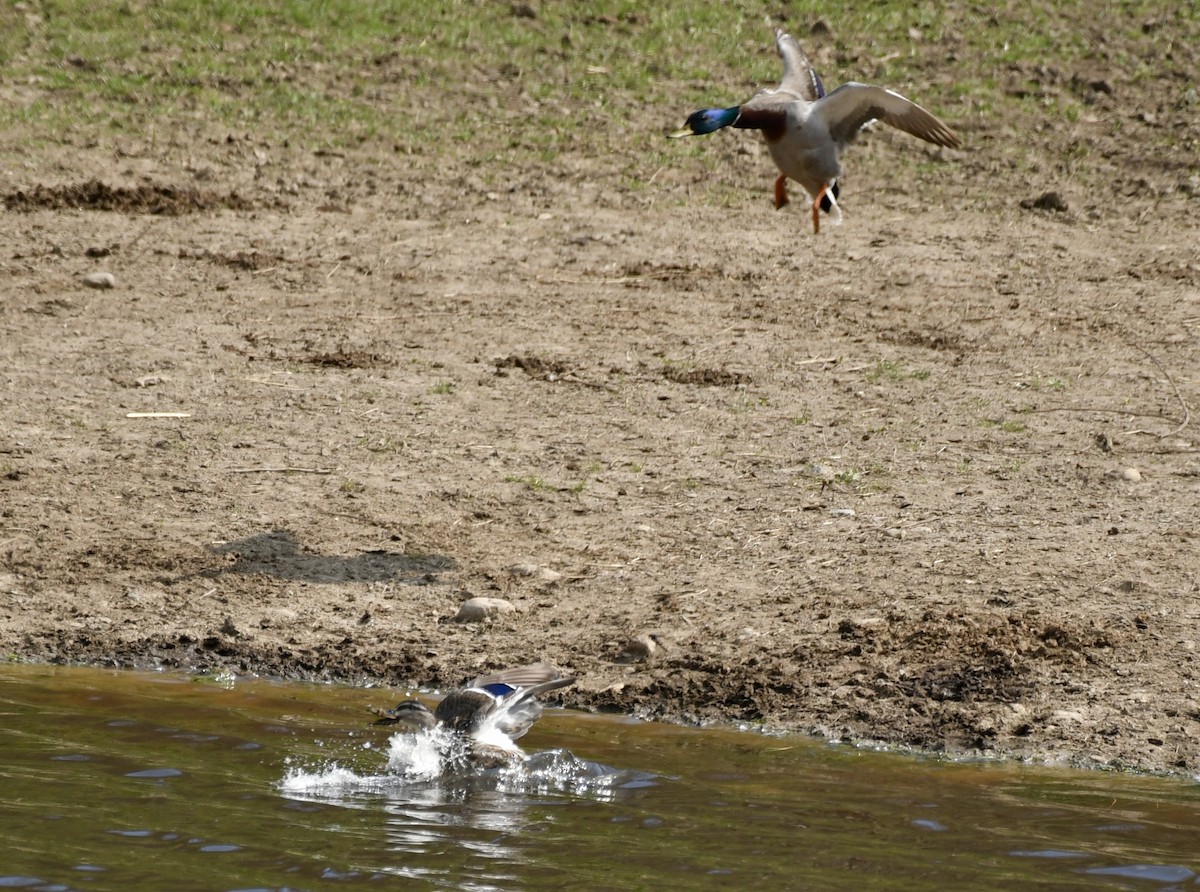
(930, 478)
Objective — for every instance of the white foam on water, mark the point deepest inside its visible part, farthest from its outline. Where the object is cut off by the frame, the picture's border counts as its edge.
(433, 760)
(409, 757)
(419, 756)
(331, 778)
(561, 771)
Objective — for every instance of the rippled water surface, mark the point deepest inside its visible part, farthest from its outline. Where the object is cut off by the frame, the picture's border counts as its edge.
(120, 780)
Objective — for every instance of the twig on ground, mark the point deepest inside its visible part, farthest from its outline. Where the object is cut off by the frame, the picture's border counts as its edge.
(1187, 414)
(281, 470)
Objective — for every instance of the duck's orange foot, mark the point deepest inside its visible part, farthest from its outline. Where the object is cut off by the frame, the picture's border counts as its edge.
(781, 196)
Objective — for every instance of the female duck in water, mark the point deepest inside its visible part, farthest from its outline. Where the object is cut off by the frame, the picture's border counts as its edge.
(488, 715)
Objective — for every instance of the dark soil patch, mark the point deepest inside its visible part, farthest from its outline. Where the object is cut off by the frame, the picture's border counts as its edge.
(93, 195)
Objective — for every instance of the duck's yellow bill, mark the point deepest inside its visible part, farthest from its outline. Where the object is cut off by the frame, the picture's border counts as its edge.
(681, 133)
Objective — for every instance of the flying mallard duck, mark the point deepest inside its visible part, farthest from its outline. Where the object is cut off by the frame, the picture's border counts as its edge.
(489, 714)
(807, 131)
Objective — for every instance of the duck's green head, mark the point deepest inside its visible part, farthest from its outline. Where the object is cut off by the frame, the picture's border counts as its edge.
(707, 120)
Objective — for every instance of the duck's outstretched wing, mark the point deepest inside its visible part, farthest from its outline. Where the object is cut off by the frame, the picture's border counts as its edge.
(799, 77)
(767, 110)
(853, 105)
(505, 700)
(517, 708)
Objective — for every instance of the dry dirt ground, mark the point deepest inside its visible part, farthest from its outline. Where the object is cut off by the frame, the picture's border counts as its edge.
(930, 478)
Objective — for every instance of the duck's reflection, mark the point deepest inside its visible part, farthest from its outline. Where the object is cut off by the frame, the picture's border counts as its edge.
(492, 814)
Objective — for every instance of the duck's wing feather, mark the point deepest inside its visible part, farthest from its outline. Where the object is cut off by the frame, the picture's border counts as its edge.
(853, 105)
(799, 77)
(551, 685)
(519, 709)
(519, 676)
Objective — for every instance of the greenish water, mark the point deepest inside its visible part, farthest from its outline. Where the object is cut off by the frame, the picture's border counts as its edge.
(121, 780)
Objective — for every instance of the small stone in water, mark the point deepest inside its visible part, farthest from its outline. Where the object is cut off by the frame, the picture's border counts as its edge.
(99, 280)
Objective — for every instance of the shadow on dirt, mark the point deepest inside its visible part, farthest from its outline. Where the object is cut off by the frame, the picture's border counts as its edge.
(280, 554)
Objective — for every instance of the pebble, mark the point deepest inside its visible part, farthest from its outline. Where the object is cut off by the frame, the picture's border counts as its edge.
(1067, 715)
(842, 512)
(639, 649)
(1129, 475)
(533, 571)
(476, 610)
(1047, 201)
(99, 280)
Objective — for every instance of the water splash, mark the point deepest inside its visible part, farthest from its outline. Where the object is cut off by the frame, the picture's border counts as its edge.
(435, 763)
(423, 756)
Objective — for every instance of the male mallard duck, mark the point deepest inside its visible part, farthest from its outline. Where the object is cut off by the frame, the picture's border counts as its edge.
(488, 715)
(807, 131)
